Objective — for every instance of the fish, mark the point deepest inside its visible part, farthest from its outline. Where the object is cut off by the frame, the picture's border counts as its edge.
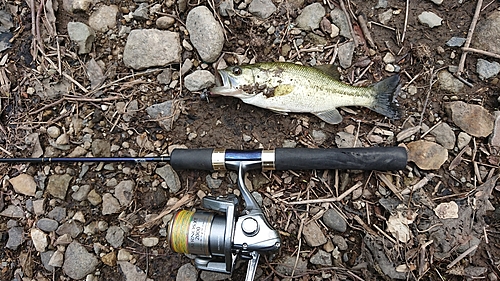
(291, 88)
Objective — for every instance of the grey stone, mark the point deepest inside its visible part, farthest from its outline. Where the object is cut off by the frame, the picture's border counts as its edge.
(141, 13)
(199, 80)
(487, 69)
(449, 83)
(385, 17)
(110, 205)
(473, 119)
(58, 185)
(81, 193)
(39, 239)
(334, 220)
(340, 242)
(346, 140)
(437, 2)
(58, 213)
(94, 197)
(463, 139)
(164, 112)
(81, 5)
(151, 47)
(318, 136)
(339, 19)
(382, 4)
(165, 22)
(124, 192)
(82, 35)
(150, 241)
(78, 263)
(57, 259)
(165, 77)
(430, 19)
(132, 272)
(53, 132)
(321, 258)
(313, 235)
(47, 225)
(444, 135)
(13, 211)
(115, 236)
(455, 42)
(487, 33)
(495, 137)
(171, 178)
(346, 52)
(262, 8)
(311, 16)
(205, 33)
(71, 227)
(101, 148)
(213, 183)
(104, 18)
(24, 184)
(287, 266)
(95, 74)
(45, 257)
(226, 8)
(213, 276)
(187, 272)
(16, 237)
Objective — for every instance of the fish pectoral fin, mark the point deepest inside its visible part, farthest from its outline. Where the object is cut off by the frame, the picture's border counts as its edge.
(332, 116)
(282, 90)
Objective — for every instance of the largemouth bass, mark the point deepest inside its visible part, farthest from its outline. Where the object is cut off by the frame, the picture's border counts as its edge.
(288, 87)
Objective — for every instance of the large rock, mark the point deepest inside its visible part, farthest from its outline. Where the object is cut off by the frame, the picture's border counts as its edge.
(82, 35)
(473, 119)
(58, 185)
(487, 33)
(262, 8)
(313, 235)
(311, 16)
(151, 47)
(104, 18)
(24, 184)
(205, 33)
(78, 263)
(427, 155)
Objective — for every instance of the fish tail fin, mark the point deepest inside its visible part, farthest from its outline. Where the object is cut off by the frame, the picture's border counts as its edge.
(385, 93)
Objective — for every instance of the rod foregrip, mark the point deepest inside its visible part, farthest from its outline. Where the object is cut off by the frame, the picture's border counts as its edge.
(192, 159)
(373, 158)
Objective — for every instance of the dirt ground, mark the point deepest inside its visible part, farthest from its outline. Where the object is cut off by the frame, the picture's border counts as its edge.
(225, 122)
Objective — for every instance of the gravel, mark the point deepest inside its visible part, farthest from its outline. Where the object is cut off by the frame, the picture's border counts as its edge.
(334, 220)
(78, 263)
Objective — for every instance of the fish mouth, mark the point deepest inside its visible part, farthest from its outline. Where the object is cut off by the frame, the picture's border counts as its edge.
(223, 84)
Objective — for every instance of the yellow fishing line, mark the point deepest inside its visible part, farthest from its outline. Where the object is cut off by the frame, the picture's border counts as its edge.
(179, 231)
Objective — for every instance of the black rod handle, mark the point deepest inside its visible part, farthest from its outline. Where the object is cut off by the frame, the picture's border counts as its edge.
(192, 159)
(371, 158)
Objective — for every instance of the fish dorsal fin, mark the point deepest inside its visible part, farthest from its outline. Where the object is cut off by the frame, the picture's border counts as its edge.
(331, 117)
(330, 70)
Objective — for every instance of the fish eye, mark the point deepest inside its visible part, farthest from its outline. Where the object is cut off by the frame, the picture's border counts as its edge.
(237, 70)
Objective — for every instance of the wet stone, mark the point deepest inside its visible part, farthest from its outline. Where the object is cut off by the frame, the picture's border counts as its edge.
(334, 220)
(47, 225)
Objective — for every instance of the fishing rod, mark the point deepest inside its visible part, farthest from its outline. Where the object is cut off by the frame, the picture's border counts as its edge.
(222, 235)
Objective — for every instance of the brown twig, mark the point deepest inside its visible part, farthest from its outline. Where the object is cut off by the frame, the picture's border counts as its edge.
(482, 52)
(348, 18)
(366, 31)
(183, 201)
(461, 65)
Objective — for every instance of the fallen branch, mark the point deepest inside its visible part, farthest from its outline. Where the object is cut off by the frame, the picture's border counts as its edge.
(461, 65)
